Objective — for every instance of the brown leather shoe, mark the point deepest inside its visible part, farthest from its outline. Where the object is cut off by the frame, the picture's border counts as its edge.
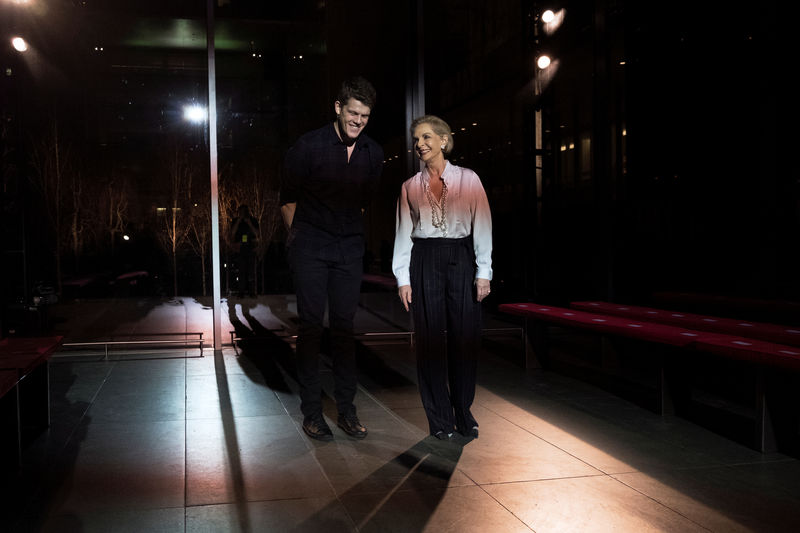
(315, 427)
(351, 426)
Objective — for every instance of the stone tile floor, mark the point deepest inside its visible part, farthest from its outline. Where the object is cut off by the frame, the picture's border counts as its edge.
(166, 441)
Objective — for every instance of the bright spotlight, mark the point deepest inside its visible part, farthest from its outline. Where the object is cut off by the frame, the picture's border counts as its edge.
(552, 20)
(19, 44)
(195, 113)
(543, 61)
(126, 238)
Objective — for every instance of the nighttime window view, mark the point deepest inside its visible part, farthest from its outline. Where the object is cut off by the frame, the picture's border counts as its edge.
(408, 266)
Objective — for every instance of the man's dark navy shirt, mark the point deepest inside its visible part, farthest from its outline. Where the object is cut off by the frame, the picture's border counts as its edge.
(330, 192)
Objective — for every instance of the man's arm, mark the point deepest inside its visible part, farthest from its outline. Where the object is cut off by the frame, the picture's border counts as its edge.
(287, 211)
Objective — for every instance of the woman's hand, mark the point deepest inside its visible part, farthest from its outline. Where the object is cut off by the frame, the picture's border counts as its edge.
(405, 295)
(483, 287)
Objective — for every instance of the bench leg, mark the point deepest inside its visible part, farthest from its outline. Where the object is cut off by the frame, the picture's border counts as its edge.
(609, 357)
(675, 389)
(764, 430)
(10, 443)
(666, 400)
(34, 399)
(536, 345)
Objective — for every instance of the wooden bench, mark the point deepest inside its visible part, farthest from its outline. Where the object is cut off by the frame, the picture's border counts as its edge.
(762, 354)
(24, 365)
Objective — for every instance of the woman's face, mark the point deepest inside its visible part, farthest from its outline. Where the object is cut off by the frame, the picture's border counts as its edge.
(427, 143)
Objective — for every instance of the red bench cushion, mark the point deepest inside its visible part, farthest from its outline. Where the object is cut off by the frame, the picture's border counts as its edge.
(637, 329)
(731, 346)
(730, 326)
(753, 350)
(25, 353)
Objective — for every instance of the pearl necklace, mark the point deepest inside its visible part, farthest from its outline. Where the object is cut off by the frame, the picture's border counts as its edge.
(438, 209)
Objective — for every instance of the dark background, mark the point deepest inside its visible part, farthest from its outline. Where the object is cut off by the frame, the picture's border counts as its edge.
(659, 164)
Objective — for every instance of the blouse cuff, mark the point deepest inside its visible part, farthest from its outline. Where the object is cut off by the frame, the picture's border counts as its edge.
(484, 273)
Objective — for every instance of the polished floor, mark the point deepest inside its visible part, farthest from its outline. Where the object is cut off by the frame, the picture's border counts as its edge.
(167, 441)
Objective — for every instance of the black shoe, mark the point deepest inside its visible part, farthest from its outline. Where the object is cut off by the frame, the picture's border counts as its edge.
(351, 426)
(441, 435)
(315, 427)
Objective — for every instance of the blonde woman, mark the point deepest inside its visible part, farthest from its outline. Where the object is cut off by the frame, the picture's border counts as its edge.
(443, 265)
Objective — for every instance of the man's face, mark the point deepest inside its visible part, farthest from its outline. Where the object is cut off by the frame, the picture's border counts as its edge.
(351, 118)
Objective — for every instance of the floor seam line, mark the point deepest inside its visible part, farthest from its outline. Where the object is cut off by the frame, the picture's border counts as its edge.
(545, 440)
(658, 502)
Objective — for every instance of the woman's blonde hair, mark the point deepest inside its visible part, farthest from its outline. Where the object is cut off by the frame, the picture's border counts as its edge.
(439, 127)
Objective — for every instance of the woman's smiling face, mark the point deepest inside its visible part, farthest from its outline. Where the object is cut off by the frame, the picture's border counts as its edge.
(428, 143)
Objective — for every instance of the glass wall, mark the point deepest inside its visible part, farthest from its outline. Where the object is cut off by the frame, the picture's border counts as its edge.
(105, 133)
(643, 136)
(105, 147)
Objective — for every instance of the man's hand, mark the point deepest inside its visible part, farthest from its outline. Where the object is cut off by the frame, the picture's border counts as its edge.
(405, 295)
(287, 211)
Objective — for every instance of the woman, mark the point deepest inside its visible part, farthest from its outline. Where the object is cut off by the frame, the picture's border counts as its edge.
(443, 265)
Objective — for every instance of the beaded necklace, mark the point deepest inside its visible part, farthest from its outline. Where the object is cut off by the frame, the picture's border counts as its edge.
(438, 209)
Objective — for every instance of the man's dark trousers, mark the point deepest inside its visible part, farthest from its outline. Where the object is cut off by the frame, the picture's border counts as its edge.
(326, 275)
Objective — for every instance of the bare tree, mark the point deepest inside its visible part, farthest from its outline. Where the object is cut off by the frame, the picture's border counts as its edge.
(231, 195)
(50, 161)
(113, 210)
(79, 217)
(199, 236)
(262, 192)
(254, 183)
(229, 198)
(176, 220)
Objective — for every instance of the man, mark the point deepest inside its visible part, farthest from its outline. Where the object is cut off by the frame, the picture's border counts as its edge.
(329, 175)
(245, 236)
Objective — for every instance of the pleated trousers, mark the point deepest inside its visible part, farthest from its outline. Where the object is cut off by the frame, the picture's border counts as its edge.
(447, 328)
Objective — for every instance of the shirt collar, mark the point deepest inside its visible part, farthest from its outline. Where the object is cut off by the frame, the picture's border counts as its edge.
(334, 137)
(445, 173)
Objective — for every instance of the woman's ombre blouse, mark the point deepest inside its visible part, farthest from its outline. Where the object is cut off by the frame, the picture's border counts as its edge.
(467, 214)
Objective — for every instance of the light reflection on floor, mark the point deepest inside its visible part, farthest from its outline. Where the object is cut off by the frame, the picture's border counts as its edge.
(214, 444)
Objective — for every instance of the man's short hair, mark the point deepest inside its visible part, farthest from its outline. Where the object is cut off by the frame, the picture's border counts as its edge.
(358, 88)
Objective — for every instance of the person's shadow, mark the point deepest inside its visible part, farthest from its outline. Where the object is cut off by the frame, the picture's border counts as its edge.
(417, 477)
(267, 352)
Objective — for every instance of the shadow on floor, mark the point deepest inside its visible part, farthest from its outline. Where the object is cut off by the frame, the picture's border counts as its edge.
(231, 443)
(48, 461)
(421, 473)
(269, 353)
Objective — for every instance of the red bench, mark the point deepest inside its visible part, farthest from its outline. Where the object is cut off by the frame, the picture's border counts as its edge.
(761, 353)
(788, 311)
(744, 328)
(25, 387)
